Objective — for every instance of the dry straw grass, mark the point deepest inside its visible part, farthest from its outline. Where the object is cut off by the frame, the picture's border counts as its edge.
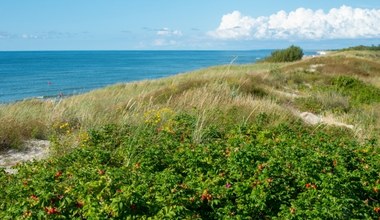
(222, 94)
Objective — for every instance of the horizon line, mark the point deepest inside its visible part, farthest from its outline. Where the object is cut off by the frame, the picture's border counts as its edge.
(115, 50)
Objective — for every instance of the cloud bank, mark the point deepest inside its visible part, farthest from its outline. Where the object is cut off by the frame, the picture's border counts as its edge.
(39, 35)
(5, 35)
(167, 37)
(168, 32)
(338, 23)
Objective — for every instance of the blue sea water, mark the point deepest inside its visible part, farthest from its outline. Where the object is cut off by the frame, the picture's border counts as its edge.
(51, 73)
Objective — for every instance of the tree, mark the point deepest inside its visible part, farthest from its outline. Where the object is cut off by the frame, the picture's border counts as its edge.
(290, 54)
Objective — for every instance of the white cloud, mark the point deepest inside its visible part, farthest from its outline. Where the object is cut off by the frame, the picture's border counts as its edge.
(29, 36)
(4, 35)
(164, 42)
(168, 32)
(338, 23)
(167, 37)
(40, 35)
(159, 42)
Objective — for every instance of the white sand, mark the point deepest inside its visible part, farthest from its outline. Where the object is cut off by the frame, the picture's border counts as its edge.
(33, 150)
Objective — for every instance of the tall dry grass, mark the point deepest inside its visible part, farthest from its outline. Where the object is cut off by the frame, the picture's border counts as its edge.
(222, 95)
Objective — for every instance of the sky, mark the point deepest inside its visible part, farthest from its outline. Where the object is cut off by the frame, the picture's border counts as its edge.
(186, 25)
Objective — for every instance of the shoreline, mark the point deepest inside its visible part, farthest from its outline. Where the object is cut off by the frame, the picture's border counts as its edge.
(92, 70)
(319, 53)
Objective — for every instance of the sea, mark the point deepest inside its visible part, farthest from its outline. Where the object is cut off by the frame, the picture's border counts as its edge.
(49, 74)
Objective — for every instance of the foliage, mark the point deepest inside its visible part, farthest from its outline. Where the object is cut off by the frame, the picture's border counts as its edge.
(158, 171)
(324, 102)
(358, 91)
(362, 47)
(199, 146)
(290, 54)
(240, 91)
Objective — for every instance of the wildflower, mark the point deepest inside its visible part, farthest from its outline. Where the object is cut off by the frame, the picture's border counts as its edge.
(377, 210)
(27, 214)
(261, 167)
(64, 125)
(335, 163)
(256, 183)
(206, 196)
(227, 152)
(269, 180)
(79, 204)
(137, 165)
(34, 197)
(101, 172)
(292, 210)
(58, 174)
(67, 189)
(310, 185)
(51, 210)
(183, 186)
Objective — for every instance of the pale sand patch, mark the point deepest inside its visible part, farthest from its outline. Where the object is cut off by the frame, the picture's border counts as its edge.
(313, 119)
(313, 68)
(310, 118)
(32, 150)
(287, 94)
(332, 121)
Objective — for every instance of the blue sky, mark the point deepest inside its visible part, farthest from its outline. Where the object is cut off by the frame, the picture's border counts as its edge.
(193, 24)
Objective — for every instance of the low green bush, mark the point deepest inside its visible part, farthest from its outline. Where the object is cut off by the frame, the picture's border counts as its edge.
(358, 91)
(158, 171)
(290, 54)
(325, 102)
(362, 47)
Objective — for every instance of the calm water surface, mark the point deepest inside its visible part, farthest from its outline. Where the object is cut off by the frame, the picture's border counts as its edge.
(48, 74)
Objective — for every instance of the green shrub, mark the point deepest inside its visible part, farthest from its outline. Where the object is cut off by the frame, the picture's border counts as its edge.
(292, 53)
(126, 172)
(362, 47)
(319, 103)
(357, 91)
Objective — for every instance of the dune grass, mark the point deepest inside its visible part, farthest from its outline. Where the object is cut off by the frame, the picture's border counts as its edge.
(198, 92)
(237, 92)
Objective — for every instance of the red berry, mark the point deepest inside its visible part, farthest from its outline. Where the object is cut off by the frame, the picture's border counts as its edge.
(58, 174)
